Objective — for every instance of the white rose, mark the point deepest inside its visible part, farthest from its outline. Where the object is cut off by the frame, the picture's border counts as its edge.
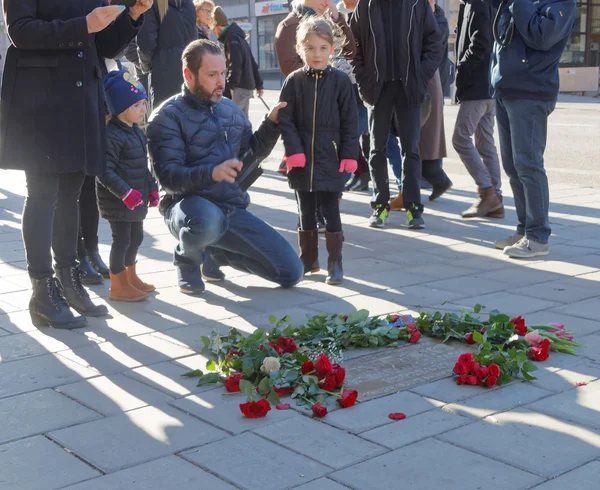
(270, 364)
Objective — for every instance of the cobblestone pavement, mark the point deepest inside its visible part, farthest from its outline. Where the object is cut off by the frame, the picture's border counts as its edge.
(105, 407)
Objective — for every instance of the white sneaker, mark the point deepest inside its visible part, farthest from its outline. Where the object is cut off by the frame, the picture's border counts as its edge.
(507, 242)
(526, 249)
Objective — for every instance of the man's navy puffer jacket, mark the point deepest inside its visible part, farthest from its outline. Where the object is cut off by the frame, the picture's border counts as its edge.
(189, 137)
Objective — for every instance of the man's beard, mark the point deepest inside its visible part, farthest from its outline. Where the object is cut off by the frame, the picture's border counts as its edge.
(205, 95)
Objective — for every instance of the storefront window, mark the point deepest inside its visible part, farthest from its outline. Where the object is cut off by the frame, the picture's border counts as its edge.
(595, 19)
(574, 53)
(267, 27)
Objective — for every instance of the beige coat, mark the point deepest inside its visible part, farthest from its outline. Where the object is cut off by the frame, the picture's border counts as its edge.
(433, 137)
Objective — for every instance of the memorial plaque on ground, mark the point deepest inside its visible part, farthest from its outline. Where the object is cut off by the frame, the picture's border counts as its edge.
(393, 370)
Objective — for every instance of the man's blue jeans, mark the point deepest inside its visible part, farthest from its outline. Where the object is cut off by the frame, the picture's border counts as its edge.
(523, 128)
(236, 238)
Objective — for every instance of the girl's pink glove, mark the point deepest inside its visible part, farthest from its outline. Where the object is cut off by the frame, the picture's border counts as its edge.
(132, 199)
(296, 161)
(154, 199)
(348, 165)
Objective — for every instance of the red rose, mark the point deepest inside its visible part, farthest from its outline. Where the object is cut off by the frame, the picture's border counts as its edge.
(461, 380)
(344, 317)
(319, 410)
(323, 365)
(255, 410)
(340, 376)
(474, 366)
(472, 380)
(278, 349)
(281, 392)
(460, 368)
(393, 318)
(348, 398)
(465, 358)
(469, 338)
(482, 372)
(483, 330)
(287, 345)
(232, 382)
(397, 416)
(494, 370)
(307, 367)
(519, 324)
(411, 327)
(491, 381)
(329, 383)
(282, 406)
(414, 338)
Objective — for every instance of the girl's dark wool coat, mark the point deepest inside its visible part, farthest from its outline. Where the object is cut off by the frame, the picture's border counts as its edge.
(320, 122)
(126, 168)
(52, 102)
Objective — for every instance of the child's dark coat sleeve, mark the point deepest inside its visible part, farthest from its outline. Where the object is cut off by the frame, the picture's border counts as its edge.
(287, 120)
(348, 120)
(110, 179)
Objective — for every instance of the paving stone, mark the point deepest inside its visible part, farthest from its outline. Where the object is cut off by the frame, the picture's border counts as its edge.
(508, 303)
(322, 484)
(557, 291)
(584, 478)
(415, 428)
(499, 399)
(313, 438)
(108, 358)
(111, 395)
(371, 302)
(392, 370)
(591, 347)
(538, 443)
(584, 309)
(136, 437)
(423, 296)
(31, 464)
(38, 412)
(471, 286)
(36, 343)
(278, 468)
(168, 378)
(114, 329)
(519, 276)
(166, 473)
(228, 415)
(374, 413)
(434, 464)
(40, 372)
(566, 379)
(579, 405)
(447, 390)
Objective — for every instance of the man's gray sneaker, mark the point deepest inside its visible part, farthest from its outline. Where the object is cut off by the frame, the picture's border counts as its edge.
(507, 242)
(526, 249)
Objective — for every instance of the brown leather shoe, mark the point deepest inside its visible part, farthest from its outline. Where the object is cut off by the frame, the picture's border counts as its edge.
(488, 202)
(136, 282)
(498, 213)
(308, 241)
(121, 290)
(397, 204)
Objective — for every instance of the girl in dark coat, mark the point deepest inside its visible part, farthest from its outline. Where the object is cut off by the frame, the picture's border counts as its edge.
(52, 127)
(126, 185)
(318, 127)
(168, 29)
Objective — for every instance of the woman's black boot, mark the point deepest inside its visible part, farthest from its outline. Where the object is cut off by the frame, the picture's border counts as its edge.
(89, 275)
(48, 308)
(98, 263)
(78, 298)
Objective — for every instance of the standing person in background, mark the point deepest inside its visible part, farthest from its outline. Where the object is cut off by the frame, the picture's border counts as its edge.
(446, 66)
(398, 50)
(477, 109)
(526, 90)
(433, 135)
(204, 12)
(242, 71)
(169, 28)
(56, 48)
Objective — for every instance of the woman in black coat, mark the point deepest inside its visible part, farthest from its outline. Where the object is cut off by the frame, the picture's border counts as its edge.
(52, 127)
(168, 29)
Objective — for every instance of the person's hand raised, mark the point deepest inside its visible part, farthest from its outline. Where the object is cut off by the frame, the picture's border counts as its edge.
(100, 18)
(140, 7)
(227, 171)
(274, 114)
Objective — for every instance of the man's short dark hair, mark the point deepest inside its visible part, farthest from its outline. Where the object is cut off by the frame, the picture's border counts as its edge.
(194, 53)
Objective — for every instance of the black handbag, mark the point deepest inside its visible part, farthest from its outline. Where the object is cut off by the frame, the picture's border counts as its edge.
(250, 172)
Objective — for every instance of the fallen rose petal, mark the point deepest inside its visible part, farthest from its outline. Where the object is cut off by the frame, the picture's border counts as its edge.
(282, 406)
(581, 383)
(397, 416)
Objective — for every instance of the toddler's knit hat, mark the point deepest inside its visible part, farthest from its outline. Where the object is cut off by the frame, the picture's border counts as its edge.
(122, 91)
